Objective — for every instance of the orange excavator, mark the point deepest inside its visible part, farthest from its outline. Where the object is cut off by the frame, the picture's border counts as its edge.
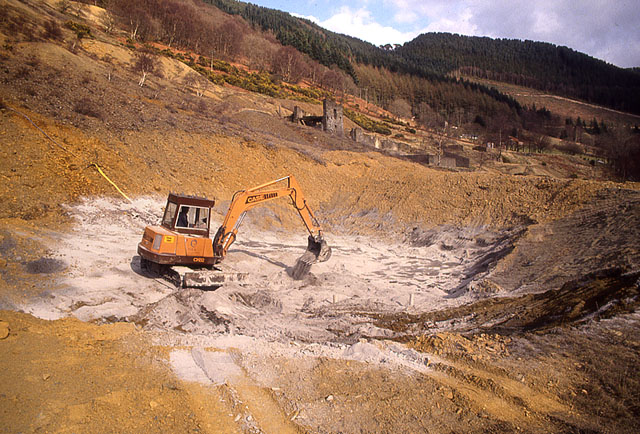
(181, 249)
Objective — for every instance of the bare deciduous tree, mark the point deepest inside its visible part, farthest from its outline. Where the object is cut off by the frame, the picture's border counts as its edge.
(400, 107)
(542, 143)
(429, 117)
(316, 71)
(332, 79)
(259, 52)
(52, 30)
(108, 21)
(144, 64)
(622, 147)
(196, 84)
(289, 64)
(230, 36)
(63, 6)
(137, 17)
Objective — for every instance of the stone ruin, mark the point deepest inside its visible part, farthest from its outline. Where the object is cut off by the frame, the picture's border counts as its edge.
(448, 159)
(357, 135)
(435, 160)
(298, 115)
(331, 119)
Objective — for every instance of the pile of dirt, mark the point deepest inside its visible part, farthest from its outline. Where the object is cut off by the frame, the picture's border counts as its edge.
(600, 235)
(473, 347)
(595, 296)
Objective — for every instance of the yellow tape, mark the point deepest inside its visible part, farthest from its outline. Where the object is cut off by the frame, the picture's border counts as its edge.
(111, 182)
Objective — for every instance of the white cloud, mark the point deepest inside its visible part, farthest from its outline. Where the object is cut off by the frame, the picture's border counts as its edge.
(545, 23)
(405, 16)
(432, 10)
(361, 24)
(306, 17)
(404, 13)
(461, 24)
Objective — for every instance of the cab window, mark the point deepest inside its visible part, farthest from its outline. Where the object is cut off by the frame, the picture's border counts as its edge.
(192, 217)
(169, 213)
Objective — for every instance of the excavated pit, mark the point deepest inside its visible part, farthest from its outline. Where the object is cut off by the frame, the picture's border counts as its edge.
(334, 302)
(368, 289)
(448, 313)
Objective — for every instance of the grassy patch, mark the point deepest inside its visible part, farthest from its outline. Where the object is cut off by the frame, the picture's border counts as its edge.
(81, 30)
(367, 123)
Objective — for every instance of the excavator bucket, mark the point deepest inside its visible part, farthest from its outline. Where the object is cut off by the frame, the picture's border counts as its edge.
(320, 249)
(317, 251)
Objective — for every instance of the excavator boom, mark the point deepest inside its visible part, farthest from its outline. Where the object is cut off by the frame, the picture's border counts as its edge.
(244, 200)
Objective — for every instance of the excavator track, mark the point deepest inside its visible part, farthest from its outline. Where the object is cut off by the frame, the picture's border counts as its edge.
(186, 277)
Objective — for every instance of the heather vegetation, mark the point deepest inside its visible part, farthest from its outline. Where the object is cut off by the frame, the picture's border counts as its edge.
(367, 123)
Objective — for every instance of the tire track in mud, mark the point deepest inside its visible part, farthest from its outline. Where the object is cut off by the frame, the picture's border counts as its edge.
(501, 397)
(252, 407)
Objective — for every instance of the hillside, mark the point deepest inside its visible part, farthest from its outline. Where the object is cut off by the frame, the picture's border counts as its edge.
(498, 297)
(445, 78)
(538, 65)
(435, 56)
(566, 108)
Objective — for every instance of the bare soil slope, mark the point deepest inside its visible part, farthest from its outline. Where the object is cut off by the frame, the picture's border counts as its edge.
(455, 301)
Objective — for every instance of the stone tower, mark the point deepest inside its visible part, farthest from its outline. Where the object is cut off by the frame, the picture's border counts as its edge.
(332, 117)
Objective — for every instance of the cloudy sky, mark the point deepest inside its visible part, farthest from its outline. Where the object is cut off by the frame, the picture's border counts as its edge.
(605, 29)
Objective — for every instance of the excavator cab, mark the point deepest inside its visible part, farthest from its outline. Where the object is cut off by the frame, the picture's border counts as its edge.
(188, 214)
(182, 238)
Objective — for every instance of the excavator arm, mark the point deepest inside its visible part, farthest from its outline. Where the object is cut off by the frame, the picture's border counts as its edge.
(244, 200)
